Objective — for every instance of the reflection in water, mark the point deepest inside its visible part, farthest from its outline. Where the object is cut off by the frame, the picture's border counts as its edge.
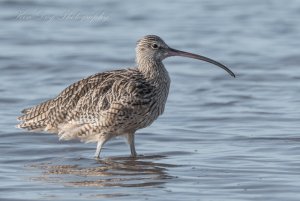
(120, 172)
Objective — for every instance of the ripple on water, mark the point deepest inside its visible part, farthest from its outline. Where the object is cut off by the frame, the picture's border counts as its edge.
(114, 171)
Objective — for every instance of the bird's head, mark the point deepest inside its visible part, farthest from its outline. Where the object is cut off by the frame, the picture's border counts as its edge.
(152, 48)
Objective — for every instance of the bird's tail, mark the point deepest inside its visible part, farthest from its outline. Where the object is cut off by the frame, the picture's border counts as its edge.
(35, 118)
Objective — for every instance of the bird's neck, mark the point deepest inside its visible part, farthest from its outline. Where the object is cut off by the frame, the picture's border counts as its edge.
(153, 69)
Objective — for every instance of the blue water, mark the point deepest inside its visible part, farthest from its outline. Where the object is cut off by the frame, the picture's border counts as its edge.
(219, 139)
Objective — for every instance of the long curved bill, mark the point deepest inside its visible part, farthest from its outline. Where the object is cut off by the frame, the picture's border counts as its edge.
(174, 52)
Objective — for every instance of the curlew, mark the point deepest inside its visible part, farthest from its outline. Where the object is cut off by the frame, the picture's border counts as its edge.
(113, 103)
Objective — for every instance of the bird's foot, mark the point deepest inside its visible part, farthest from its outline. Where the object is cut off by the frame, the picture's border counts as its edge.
(134, 155)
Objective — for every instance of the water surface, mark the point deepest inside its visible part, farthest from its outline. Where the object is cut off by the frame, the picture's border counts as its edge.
(219, 139)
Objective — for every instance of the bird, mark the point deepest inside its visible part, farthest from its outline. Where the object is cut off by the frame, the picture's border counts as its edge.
(113, 103)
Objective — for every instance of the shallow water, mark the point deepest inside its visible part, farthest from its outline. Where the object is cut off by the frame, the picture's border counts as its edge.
(219, 139)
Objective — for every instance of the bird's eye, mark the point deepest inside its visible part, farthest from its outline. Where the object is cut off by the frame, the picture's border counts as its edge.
(154, 46)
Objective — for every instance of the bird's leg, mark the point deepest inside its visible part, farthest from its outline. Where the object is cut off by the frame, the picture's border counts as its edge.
(130, 139)
(99, 147)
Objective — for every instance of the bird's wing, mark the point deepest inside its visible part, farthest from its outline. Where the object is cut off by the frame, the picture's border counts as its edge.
(118, 92)
(108, 99)
(54, 111)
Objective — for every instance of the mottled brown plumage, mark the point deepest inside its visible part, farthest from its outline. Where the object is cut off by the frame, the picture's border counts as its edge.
(112, 103)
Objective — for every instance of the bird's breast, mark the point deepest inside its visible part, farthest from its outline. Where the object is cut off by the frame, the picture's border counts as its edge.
(162, 92)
